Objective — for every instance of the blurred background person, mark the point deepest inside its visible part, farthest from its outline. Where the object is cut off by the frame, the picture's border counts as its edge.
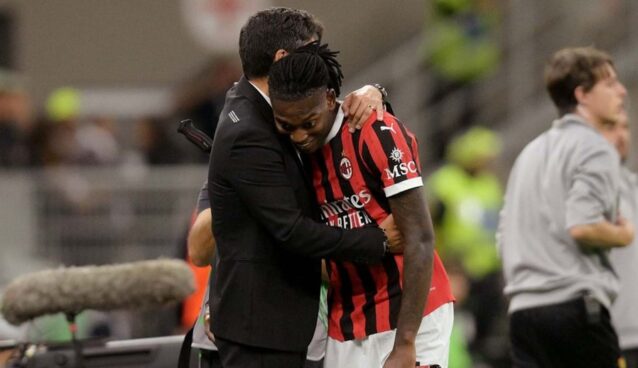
(624, 311)
(78, 140)
(201, 253)
(465, 198)
(15, 122)
(155, 139)
(201, 97)
(463, 48)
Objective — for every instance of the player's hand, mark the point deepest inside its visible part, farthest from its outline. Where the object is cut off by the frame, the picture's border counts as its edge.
(401, 356)
(207, 330)
(360, 104)
(395, 239)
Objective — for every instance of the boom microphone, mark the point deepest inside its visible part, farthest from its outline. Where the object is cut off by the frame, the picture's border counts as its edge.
(74, 289)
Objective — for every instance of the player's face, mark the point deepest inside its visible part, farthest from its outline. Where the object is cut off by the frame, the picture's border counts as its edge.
(605, 101)
(306, 121)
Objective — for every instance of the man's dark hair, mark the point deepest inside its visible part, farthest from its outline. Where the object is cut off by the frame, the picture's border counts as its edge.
(303, 71)
(570, 68)
(270, 30)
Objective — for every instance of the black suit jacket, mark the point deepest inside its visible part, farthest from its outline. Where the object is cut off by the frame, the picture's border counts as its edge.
(265, 287)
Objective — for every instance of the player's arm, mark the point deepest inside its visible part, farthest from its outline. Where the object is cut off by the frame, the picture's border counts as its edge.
(413, 220)
(263, 186)
(389, 152)
(593, 192)
(200, 241)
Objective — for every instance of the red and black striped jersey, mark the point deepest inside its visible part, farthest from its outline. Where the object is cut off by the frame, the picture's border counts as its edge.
(353, 176)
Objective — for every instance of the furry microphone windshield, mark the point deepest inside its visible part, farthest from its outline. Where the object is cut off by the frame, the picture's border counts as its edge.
(74, 289)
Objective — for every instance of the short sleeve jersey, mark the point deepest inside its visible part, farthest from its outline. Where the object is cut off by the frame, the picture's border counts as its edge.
(354, 174)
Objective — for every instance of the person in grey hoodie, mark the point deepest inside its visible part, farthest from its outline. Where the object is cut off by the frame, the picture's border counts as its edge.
(561, 218)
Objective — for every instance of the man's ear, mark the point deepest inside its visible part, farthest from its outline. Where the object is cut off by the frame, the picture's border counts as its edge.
(279, 55)
(580, 94)
(331, 97)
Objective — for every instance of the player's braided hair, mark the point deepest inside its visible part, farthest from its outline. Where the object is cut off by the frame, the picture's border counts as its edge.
(303, 71)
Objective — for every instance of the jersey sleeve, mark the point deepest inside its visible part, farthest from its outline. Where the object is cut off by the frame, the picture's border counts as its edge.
(390, 152)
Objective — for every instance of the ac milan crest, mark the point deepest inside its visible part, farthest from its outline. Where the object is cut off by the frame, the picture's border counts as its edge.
(345, 168)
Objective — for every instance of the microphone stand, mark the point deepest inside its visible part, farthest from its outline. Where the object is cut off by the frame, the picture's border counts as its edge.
(77, 345)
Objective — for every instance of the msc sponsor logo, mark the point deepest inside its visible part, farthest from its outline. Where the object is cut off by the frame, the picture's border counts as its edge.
(402, 169)
(396, 155)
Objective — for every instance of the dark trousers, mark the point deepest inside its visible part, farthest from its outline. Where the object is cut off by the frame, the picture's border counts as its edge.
(577, 333)
(209, 359)
(631, 357)
(235, 355)
(487, 306)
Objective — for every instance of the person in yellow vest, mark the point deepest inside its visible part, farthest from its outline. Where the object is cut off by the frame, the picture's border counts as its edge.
(465, 199)
(461, 47)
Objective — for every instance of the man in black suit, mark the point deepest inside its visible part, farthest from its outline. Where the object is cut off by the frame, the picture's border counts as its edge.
(265, 289)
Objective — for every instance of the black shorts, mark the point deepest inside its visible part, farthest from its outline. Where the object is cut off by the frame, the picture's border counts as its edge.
(577, 333)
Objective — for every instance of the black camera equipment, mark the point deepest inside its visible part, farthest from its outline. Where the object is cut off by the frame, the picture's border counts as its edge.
(196, 136)
(157, 352)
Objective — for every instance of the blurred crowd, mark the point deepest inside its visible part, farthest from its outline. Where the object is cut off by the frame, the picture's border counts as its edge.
(62, 134)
